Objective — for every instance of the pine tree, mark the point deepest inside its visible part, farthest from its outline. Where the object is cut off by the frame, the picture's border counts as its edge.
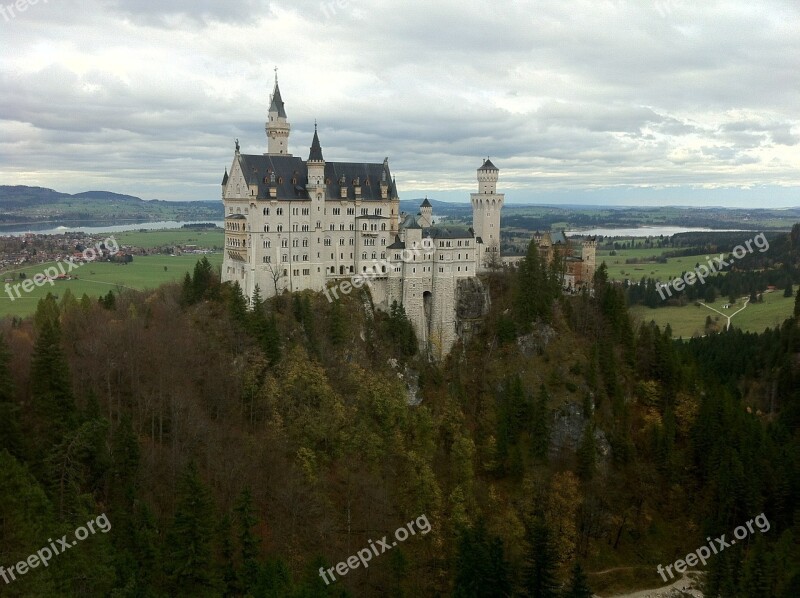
(189, 559)
(797, 304)
(51, 387)
(481, 568)
(540, 563)
(540, 426)
(587, 454)
(10, 435)
(246, 520)
(336, 324)
(578, 584)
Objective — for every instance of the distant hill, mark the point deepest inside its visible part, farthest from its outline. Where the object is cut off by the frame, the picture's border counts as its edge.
(440, 208)
(22, 204)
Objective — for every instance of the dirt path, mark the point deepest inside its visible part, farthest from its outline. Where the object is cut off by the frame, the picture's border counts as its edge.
(686, 586)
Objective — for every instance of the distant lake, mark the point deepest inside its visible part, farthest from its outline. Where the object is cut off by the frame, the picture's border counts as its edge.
(652, 231)
(96, 227)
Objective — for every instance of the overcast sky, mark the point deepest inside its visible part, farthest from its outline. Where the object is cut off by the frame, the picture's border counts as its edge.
(646, 102)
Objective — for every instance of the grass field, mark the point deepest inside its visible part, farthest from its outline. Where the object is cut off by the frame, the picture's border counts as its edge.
(161, 238)
(95, 279)
(690, 320)
(619, 270)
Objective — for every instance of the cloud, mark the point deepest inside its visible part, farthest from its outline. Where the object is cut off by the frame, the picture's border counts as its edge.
(146, 97)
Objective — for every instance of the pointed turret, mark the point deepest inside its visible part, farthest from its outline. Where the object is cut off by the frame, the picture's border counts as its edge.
(316, 148)
(277, 127)
(277, 103)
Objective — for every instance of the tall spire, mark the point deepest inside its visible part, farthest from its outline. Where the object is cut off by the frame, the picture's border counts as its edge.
(277, 103)
(316, 148)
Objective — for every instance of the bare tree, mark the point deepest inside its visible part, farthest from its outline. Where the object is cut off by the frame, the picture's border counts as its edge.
(276, 273)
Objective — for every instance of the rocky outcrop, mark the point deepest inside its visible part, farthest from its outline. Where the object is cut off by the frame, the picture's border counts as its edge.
(472, 306)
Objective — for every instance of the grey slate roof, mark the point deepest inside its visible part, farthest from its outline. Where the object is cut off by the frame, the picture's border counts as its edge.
(558, 238)
(487, 165)
(277, 102)
(291, 177)
(398, 244)
(426, 204)
(316, 148)
(225, 178)
(440, 232)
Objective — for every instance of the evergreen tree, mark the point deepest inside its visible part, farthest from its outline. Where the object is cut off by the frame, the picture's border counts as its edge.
(51, 387)
(336, 324)
(578, 584)
(246, 520)
(189, 558)
(540, 562)
(797, 304)
(237, 304)
(540, 426)
(10, 434)
(481, 568)
(587, 454)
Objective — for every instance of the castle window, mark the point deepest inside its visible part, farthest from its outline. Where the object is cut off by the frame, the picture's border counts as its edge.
(285, 259)
(351, 211)
(280, 228)
(383, 226)
(341, 241)
(364, 256)
(266, 211)
(333, 227)
(341, 227)
(364, 226)
(279, 211)
(364, 211)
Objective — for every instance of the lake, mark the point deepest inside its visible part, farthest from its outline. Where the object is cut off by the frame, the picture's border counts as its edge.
(97, 227)
(652, 231)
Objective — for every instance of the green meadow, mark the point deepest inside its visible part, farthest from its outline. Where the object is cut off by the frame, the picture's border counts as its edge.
(204, 239)
(689, 320)
(675, 266)
(97, 278)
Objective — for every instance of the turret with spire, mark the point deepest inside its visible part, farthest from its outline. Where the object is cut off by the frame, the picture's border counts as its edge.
(277, 127)
(316, 163)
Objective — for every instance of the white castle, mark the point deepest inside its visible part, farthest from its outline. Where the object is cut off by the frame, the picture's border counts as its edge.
(292, 225)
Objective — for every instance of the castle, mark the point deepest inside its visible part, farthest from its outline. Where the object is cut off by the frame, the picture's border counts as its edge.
(292, 225)
(578, 269)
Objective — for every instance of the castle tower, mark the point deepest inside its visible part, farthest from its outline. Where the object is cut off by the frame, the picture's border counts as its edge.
(277, 127)
(588, 255)
(486, 206)
(426, 214)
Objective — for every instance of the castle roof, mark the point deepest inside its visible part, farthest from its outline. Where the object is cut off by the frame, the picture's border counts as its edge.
(277, 102)
(291, 177)
(440, 232)
(316, 148)
(487, 165)
(398, 244)
(558, 238)
(225, 178)
(426, 204)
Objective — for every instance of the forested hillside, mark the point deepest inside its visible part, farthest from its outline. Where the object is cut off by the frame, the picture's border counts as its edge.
(237, 452)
